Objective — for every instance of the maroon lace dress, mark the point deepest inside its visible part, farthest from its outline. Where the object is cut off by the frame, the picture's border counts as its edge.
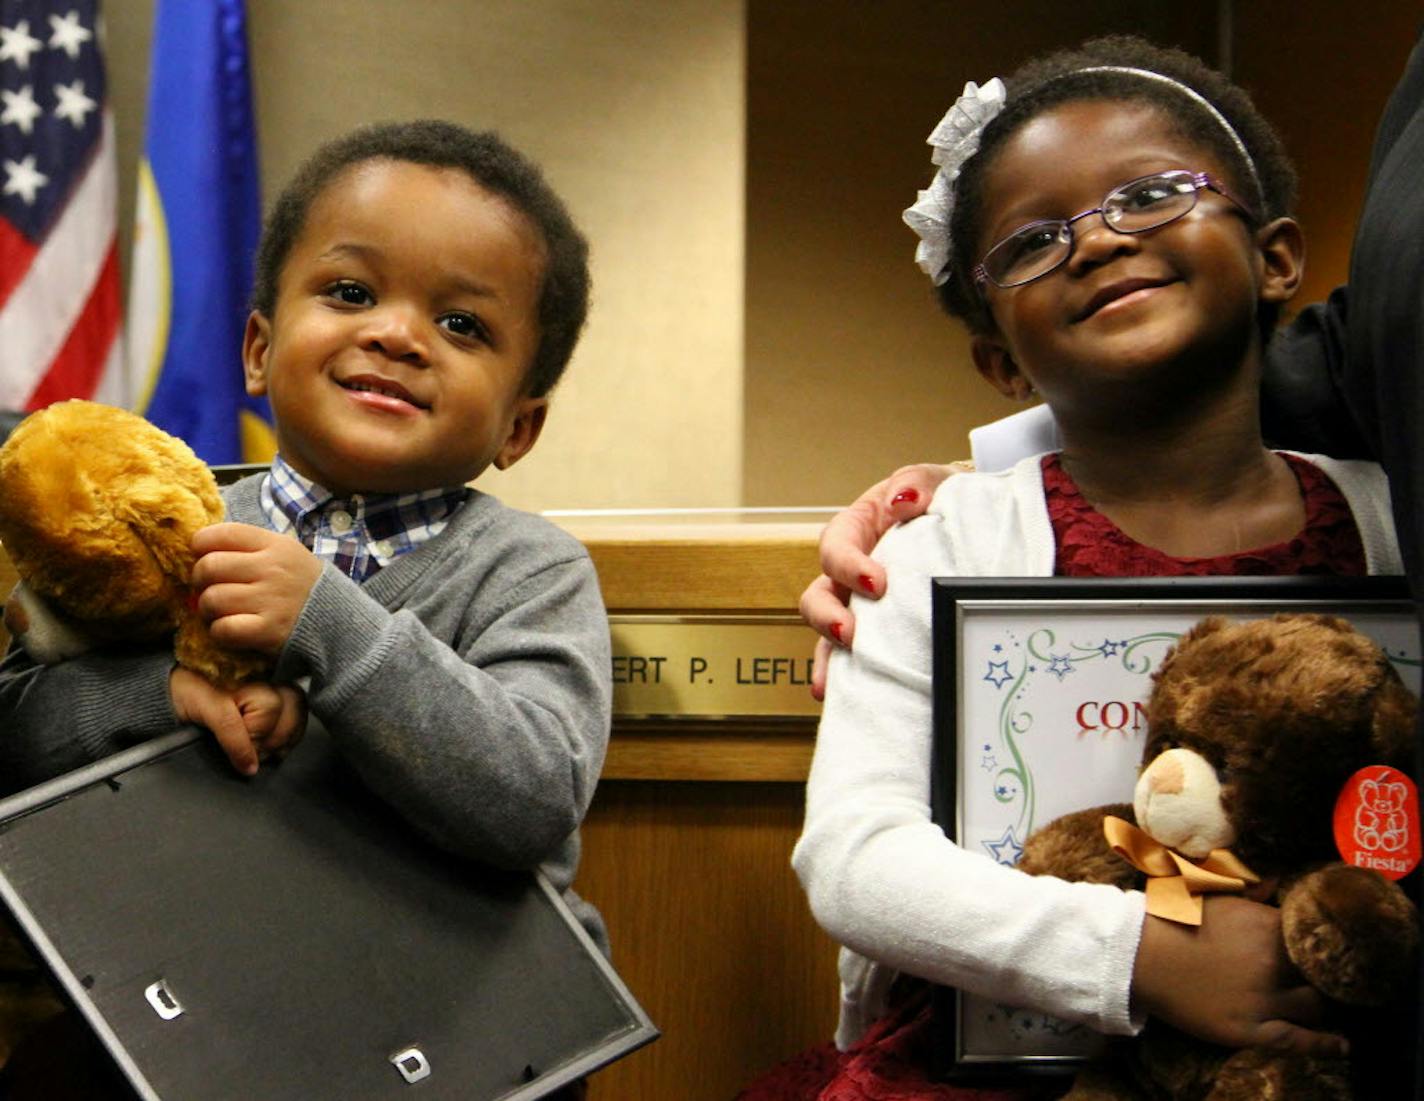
(1090, 545)
(890, 1062)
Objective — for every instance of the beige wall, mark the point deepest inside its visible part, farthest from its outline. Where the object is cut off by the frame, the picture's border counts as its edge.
(635, 110)
(759, 333)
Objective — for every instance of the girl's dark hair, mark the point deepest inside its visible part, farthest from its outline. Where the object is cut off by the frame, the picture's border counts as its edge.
(495, 166)
(1058, 78)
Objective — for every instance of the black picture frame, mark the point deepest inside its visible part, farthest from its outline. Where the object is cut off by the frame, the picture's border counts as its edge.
(312, 943)
(956, 599)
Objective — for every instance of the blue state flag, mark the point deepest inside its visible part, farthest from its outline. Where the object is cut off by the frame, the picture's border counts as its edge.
(196, 228)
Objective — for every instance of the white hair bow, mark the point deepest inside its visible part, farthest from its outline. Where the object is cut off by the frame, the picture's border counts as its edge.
(955, 140)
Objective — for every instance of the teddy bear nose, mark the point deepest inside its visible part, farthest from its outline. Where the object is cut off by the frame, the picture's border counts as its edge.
(1166, 776)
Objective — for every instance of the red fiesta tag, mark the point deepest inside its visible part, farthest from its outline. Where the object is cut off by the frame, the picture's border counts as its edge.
(1377, 821)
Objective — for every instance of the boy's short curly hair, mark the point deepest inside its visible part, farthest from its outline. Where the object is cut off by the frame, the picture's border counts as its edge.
(493, 164)
(1057, 78)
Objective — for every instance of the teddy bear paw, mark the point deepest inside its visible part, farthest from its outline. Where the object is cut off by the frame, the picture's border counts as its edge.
(195, 649)
(1259, 1075)
(1352, 933)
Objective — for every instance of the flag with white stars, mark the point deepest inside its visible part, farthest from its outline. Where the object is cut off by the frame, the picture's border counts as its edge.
(59, 275)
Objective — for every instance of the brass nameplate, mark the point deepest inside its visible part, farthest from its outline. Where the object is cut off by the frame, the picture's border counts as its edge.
(704, 667)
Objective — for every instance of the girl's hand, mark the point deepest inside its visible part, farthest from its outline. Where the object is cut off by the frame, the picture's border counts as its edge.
(846, 544)
(1228, 981)
(252, 584)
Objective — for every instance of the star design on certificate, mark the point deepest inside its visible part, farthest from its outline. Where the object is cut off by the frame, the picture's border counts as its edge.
(1007, 849)
(998, 674)
(1059, 1027)
(1060, 665)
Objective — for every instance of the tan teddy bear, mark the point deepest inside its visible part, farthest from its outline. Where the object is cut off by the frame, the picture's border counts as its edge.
(1254, 730)
(97, 511)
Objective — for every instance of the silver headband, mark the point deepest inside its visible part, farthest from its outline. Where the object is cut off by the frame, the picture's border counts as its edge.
(1201, 101)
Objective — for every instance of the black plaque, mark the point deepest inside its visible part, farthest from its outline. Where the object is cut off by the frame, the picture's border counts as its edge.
(289, 936)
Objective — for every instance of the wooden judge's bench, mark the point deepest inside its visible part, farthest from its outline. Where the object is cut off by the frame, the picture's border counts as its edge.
(686, 849)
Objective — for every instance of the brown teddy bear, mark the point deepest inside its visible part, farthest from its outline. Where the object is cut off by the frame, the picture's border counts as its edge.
(1254, 729)
(97, 512)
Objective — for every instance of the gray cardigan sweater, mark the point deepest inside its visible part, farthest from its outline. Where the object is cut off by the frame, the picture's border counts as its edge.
(468, 683)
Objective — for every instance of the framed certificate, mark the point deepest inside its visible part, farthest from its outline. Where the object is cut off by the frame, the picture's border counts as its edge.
(1039, 687)
(289, 936)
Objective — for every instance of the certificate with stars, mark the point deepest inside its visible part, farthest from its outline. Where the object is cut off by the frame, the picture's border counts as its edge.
(1039, 687)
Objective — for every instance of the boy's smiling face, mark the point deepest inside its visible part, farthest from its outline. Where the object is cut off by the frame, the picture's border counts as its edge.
(405, 323)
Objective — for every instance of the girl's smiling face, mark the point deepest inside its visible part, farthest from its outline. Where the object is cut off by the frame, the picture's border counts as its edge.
(406, 320)
(1173, 304)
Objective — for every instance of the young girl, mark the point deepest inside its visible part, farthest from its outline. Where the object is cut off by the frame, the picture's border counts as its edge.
(1114, 232)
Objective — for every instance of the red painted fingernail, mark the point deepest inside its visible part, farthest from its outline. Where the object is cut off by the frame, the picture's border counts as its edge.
(835, 630)
(867, 584)
(906, 497)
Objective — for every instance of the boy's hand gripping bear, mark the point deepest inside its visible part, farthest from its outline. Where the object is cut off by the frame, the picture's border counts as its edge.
(97, 513)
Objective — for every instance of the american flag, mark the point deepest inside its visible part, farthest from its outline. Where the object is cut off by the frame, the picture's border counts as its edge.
(59, 274)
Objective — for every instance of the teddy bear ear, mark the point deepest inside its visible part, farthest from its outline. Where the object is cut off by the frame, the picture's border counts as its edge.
(1208, 626)
(1393, 724)
(1200, 630)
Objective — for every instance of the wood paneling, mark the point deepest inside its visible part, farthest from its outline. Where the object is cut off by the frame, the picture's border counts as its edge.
(687, 751)
(688, 843)
(650, 566)
(710, 930)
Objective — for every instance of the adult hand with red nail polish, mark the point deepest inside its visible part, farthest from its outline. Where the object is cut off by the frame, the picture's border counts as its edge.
(846, 543)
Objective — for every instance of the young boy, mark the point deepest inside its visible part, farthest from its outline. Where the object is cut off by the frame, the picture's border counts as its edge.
(419, 291)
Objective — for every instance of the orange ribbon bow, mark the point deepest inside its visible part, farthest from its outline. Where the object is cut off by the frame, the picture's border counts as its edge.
(1175, 883)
